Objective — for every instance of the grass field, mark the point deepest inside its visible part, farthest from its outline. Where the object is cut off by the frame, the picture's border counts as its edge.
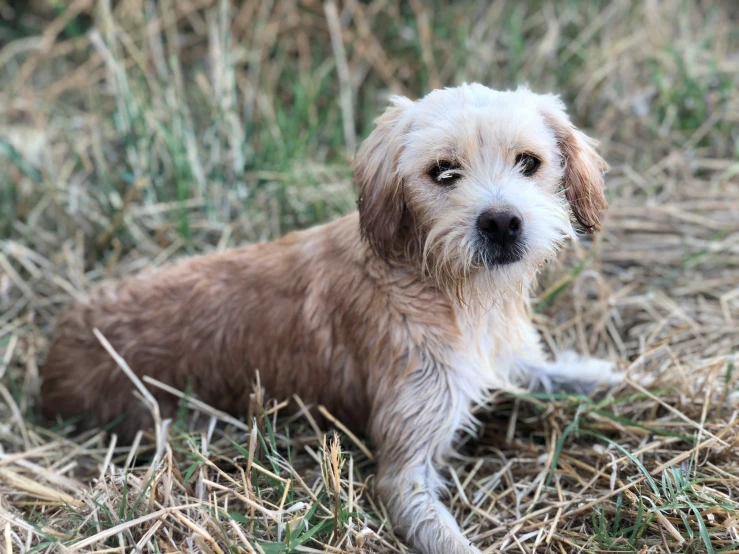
(135, 132)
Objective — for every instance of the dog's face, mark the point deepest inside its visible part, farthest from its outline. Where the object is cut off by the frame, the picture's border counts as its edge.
(482, 184)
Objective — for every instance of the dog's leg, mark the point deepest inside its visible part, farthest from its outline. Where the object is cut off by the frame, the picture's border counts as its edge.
(570, 372)
(414, 424)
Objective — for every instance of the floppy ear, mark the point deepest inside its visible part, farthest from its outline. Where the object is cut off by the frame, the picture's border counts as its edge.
(583, 167)
(381, 204)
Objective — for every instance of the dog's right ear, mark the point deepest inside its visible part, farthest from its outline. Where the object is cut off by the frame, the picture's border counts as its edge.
(381, 203)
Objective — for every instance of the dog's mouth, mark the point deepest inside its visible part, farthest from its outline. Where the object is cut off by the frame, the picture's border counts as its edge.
(489, 255)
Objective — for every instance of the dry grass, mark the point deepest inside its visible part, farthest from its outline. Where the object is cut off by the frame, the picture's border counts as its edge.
(133, 132)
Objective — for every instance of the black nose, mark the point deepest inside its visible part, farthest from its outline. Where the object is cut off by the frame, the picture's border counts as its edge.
(501, 227)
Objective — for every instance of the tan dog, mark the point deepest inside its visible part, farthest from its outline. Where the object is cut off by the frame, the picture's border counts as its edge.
(398, 318)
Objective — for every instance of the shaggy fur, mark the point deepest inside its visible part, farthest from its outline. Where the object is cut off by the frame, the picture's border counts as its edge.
(398, 318)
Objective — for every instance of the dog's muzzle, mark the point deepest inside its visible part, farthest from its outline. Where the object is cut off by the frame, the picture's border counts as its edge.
(501, 232)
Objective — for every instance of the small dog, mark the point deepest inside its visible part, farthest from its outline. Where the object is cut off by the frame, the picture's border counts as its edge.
(398, 318)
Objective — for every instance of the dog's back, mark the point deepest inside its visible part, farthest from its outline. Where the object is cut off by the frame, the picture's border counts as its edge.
(293, 309)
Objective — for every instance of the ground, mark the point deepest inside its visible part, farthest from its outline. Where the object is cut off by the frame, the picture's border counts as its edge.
(135, 132)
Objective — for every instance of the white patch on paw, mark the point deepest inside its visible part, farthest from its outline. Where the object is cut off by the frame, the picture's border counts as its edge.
(572, 372)
(593, 370)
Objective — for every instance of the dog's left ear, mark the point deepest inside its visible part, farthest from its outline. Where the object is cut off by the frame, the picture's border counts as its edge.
(381, 203)
(584, 168)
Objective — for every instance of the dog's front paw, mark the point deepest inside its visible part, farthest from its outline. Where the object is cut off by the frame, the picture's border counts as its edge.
(586, 374)
(574, 373)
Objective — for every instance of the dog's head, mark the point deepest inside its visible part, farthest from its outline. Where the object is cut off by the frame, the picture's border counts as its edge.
(480, 184)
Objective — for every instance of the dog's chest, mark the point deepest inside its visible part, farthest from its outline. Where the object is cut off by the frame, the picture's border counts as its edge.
(490, 344)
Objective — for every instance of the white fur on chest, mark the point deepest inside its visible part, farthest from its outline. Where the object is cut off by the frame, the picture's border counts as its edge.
(494, 344)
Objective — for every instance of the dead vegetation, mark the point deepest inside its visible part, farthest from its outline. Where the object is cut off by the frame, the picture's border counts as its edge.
(134, 132)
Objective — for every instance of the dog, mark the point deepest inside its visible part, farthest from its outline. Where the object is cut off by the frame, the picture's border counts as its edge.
(399, 318)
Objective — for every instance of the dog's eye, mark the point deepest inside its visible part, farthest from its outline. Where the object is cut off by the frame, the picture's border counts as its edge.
(445, 172)
(528, 164)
